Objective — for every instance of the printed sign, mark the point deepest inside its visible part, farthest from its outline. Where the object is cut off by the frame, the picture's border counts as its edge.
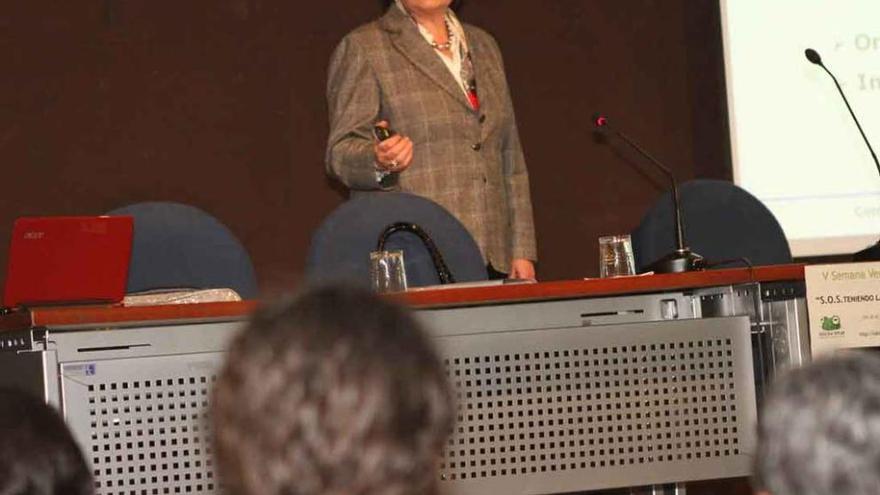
(843, 302)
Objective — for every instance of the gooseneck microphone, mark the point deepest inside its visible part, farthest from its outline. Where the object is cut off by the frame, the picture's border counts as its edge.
(871, 253)
(814, 57)
(682, 259)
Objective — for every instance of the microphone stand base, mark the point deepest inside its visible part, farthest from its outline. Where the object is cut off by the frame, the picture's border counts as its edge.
(678, 261)
(871, 253)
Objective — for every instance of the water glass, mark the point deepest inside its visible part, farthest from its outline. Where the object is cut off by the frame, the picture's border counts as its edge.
(616, 256)
(387, 272)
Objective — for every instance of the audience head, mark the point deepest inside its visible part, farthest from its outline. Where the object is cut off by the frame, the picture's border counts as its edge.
(819, 431)
(335, 392)
(38, 455)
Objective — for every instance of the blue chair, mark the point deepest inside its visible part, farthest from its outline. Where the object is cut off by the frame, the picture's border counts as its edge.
(180, 246)
(722, 222)
(340, 248)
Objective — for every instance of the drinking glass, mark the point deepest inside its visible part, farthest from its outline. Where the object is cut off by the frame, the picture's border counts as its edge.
(387, 272)
(616, 256)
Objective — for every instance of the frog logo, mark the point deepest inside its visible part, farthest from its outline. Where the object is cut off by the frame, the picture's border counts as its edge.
(830, 323)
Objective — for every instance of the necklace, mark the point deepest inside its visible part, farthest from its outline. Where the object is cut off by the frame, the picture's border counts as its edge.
(449, 38)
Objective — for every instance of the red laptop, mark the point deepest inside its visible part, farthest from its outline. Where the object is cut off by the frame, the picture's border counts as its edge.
(68, 260)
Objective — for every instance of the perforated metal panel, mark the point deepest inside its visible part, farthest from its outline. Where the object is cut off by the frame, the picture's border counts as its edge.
(144, 422)
(557, 410)
(543, 409)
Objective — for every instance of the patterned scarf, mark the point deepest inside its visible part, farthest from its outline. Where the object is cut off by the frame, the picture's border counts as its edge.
(461, 66)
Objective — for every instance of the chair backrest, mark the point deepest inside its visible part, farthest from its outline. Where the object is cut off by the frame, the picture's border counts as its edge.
(340, 248)
(721, 222)
(181, 246)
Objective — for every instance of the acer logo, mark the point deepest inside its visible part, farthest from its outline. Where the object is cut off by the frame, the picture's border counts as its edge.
(34, 235)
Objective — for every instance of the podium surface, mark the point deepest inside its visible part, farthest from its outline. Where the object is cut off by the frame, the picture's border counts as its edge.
(76, 316)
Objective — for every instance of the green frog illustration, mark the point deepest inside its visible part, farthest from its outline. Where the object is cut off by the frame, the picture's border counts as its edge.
(830, 323)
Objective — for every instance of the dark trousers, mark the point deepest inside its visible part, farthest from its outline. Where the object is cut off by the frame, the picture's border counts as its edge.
(495, 274)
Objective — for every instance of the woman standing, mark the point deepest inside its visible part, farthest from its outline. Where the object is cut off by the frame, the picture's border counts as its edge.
(440, 85)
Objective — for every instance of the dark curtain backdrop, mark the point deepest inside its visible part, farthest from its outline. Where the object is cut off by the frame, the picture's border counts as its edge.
(220, 104)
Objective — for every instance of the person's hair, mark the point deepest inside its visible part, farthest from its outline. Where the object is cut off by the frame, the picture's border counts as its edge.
(819, 431)
(387, 3)
(336, 391)
(38, 455)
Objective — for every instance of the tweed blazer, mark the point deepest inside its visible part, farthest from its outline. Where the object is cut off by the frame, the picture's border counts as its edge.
(470, 162)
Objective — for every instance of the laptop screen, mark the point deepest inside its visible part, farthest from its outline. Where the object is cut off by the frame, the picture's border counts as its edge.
(68, 260)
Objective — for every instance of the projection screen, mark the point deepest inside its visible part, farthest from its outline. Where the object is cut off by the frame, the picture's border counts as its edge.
(793, 141)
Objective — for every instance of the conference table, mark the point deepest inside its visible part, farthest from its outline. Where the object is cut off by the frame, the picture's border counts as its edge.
(560, 386)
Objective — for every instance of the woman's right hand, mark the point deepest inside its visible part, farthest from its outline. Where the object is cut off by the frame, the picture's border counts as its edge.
(393, 154)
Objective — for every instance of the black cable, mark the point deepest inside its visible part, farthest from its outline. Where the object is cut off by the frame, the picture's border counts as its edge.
(443, 272)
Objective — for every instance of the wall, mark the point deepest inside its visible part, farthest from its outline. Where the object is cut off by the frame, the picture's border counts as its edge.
(220, 103)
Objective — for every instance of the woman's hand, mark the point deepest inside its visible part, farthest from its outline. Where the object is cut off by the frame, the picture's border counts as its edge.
(522, 269)
(393, 154)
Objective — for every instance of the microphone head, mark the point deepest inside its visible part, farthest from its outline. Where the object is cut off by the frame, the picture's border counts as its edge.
(813, 56)
(600, 120)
